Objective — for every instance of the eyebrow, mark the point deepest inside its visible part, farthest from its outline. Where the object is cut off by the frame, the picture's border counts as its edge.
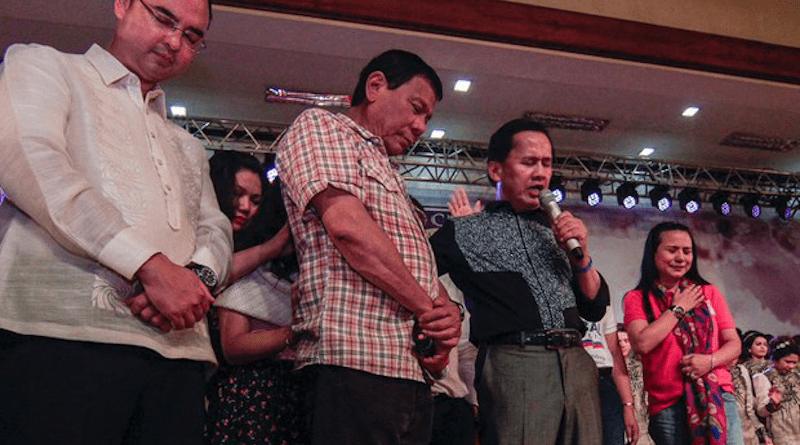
(171, 15)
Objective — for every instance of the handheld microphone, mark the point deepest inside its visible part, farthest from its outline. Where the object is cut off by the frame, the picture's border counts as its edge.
(550, 206)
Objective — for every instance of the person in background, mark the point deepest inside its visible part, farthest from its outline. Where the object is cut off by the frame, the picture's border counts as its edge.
(614, 384)
(778, 392)
(634, 366)
(681, 326)
(112, 240)
(367, 274)
(254, 397)
(753, 431)
(755, 352)
(455, 405)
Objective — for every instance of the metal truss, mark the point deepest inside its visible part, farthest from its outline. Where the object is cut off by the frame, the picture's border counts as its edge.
(464, 163)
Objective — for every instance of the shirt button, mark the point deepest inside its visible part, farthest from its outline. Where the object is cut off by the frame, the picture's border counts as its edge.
(168, 187)
(153, 135)
(160, 162)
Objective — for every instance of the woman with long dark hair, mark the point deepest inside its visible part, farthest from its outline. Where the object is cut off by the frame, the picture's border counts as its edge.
(680, 325)
(254, 398)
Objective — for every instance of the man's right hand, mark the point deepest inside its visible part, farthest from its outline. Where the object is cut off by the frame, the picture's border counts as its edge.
(175, 292)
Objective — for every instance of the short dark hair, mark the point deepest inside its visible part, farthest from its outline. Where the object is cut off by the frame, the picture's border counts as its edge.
(399, 67)
(502, 140)
(649, 272)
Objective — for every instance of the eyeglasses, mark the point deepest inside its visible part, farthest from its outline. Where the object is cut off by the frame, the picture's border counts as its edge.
(190, 37)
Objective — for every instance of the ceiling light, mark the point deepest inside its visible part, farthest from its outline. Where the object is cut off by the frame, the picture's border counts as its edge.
(689, 200)
(750, 205)
(590, 192)
(462, 85)
(721, 203)
(782, 207)
(627, 196)
(177, 111)
(647, 151)
(437, 134)
(557, 187)
(690, 111)
(660, 199)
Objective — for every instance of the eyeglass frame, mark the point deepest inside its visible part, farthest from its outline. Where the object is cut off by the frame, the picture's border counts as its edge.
(166, 20)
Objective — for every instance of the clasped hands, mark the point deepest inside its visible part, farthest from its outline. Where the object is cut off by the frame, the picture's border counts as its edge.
(442, 323)
(173, 297)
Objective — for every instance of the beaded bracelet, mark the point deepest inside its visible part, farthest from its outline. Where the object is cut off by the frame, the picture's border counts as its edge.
(588, 266)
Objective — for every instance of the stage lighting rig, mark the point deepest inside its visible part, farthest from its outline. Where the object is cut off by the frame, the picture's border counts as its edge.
(721, 203)
(782, 207)
(689, 199)
(660, 199)
(558, 189)
(627, 196)
(590, 192)
(751, 206)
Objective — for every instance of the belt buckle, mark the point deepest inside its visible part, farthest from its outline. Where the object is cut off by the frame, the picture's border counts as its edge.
(561, 338)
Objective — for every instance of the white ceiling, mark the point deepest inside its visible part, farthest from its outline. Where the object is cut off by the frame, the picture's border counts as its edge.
(249, 51)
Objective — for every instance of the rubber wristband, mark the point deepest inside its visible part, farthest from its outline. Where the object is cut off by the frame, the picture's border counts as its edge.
(588, 266)
(712, 361)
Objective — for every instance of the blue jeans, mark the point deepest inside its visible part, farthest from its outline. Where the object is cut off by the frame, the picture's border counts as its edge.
(611, 410)
(734, 423)
(669, 427)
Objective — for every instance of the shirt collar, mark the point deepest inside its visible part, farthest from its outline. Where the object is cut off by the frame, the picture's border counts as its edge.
(111, 70)
(376, 141)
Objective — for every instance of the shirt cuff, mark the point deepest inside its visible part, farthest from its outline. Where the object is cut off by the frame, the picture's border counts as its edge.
(126, 253)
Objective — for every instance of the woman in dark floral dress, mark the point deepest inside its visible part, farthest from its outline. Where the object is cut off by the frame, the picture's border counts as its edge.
(255, 397)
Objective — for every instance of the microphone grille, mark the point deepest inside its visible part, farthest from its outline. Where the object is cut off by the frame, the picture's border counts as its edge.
(546, 197)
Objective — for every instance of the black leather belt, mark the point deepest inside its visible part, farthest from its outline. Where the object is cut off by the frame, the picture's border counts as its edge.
(552, 339)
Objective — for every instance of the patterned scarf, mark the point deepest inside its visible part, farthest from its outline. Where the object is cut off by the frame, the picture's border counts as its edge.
(706, 409)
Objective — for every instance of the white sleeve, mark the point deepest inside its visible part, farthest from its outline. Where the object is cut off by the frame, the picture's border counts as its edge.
(37, 171)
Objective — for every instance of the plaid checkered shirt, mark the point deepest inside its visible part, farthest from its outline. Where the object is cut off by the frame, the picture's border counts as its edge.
(340, 318)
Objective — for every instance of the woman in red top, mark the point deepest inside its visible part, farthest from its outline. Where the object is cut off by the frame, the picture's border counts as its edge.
(681, 326)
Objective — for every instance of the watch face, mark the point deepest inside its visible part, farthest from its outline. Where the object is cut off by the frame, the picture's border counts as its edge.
(206, 275)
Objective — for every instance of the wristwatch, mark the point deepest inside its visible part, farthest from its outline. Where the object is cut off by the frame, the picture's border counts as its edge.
(678, 312)
(206, 275)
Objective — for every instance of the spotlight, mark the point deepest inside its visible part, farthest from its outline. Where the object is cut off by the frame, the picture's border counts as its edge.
(782, 207)
(627, 196)
(659, 198)
(590, 192)
(750, 205)
(689, 199)
(721, 203)
(557, 187)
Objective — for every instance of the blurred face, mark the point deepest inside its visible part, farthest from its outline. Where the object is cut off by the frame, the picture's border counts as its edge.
(786, 364)
(399, 116)
(147, 45)
(759, 348)
(624, 343)
(674, 256)
(246, 199)
(526, 170)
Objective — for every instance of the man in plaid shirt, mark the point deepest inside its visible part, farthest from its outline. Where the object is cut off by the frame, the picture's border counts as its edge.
(367, 272)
